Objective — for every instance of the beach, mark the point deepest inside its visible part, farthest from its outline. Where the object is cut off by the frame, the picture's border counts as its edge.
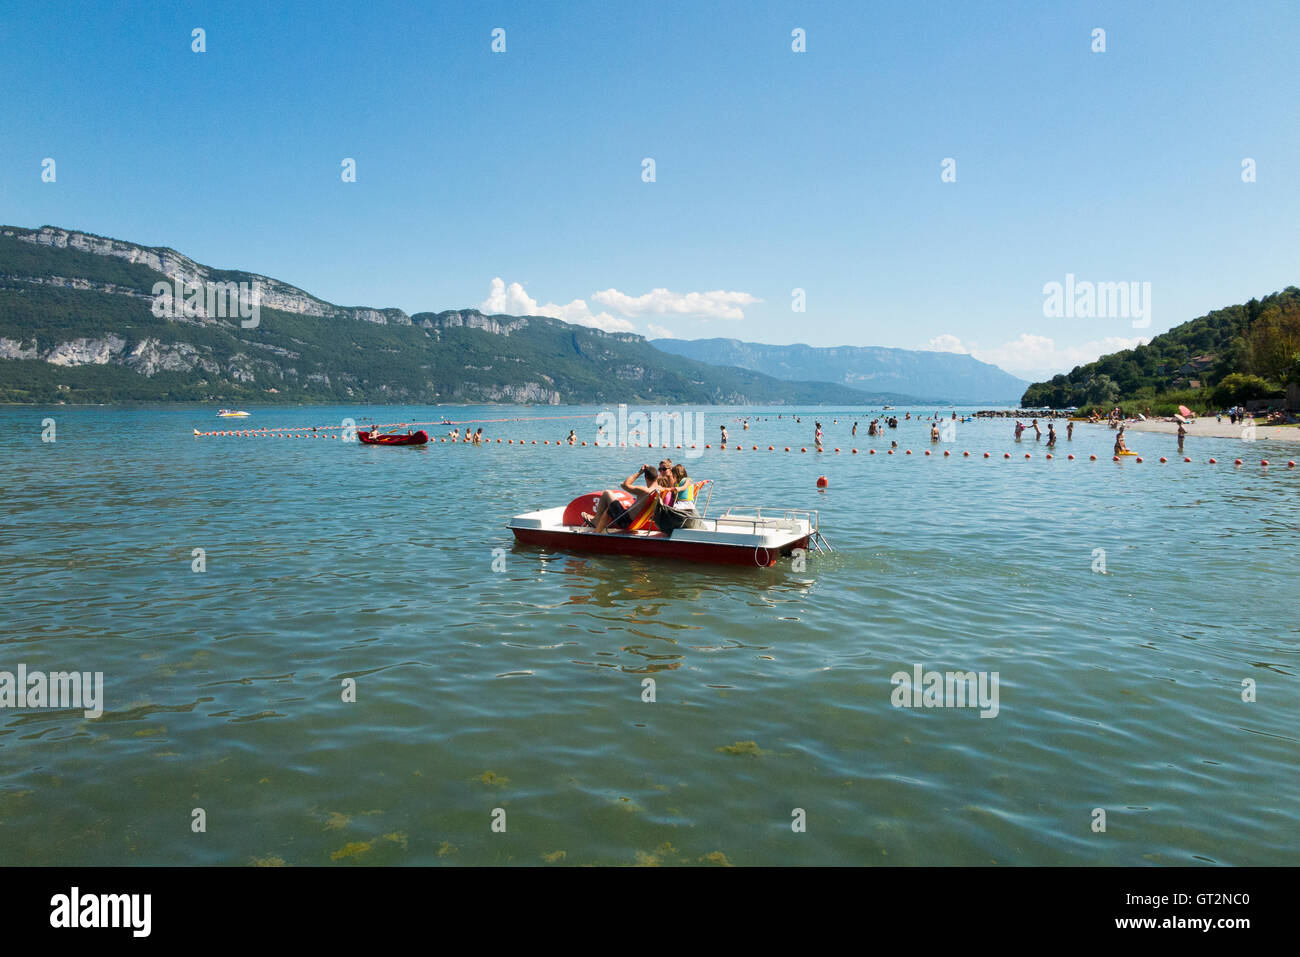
(1209, 428)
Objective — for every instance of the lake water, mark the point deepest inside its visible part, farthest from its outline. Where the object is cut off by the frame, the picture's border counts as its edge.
(521, 689)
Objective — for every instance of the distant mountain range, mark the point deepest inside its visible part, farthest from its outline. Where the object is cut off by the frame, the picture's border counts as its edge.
(932, 376)
(79, 323)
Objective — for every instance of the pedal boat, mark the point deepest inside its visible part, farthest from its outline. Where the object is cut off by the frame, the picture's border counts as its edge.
(739, 536)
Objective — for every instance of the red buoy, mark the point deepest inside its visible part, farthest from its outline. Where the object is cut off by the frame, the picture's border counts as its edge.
(821, 481)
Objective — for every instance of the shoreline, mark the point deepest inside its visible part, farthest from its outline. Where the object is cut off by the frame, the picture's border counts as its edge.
(1210, 429)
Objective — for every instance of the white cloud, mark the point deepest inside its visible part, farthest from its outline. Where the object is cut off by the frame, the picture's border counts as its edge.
(946, 343)
(513, 300)
(1038, 357)
(663, 302)
(659, 332)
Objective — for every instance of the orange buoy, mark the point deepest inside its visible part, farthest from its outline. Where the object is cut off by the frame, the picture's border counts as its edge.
(965, 455)
(855, 451)
(837, 450)
(1092, 458)
(945, 453)
(1163, 459)
(1049, 456)
(872, 451)
(1237, 462)
(755, 448)
(986, 455)
(1138, 458)
(909, 451)
(927, 451)
(787, 448)
(770, 449)
(1214, 461)
(1027, 455)
(803, 450)
(891, 451)
(821, 481)
(1263, 462)
(1070, 456)
(1006, 455)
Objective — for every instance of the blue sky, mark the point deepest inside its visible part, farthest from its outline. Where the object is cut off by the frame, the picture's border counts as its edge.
(775, 170)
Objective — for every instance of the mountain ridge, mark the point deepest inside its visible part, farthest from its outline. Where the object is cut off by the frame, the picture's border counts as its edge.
(77, 324)
(934, 376)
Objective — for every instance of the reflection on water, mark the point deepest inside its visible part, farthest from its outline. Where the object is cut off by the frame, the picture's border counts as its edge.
(525, 688)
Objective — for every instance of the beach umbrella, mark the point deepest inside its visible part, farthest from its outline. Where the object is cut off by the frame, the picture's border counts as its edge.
(1183, 410)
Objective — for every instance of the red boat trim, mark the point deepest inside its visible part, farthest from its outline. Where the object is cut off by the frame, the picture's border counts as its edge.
(655, 547)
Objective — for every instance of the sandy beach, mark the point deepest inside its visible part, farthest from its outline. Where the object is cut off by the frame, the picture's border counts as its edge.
(1209, 428)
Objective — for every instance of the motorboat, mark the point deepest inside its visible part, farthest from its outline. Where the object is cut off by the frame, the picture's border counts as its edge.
(232, 414)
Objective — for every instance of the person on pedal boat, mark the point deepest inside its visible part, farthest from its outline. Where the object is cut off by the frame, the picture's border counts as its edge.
(612, 513)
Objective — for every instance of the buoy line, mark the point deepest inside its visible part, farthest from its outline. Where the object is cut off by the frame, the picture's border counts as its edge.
(298, 433)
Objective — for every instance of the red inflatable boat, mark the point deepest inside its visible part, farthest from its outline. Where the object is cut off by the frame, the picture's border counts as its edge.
(410, 438)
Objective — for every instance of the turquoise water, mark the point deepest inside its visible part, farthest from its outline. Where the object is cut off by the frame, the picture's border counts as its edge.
(521, 689)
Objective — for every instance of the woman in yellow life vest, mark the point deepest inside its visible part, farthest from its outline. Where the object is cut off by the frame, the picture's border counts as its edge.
(683, 489)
